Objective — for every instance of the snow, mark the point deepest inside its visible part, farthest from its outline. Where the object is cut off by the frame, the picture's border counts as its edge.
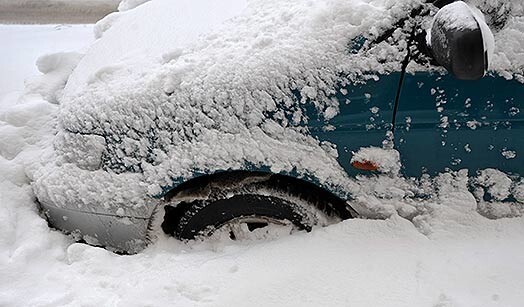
(424, 242)
(56, 68)
(137, 114)
(461, 16)
(127, 5)
(463, 260)
(172, 29)
(387, 160)
(16, 66)
(509, 154)
(458, 16)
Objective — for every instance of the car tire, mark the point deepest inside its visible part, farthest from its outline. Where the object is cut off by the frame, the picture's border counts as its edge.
(250, 202)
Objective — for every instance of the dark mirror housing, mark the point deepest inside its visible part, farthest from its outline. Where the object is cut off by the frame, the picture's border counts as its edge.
(461, 41)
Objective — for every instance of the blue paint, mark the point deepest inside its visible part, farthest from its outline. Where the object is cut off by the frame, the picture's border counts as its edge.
(357, 43)
(484, 118)
(357, 126)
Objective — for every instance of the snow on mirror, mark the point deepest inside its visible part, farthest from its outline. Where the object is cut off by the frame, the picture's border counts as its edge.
(461, 41)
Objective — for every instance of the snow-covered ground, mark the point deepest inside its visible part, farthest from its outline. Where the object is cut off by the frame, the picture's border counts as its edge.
(23, 44)
(448, 256)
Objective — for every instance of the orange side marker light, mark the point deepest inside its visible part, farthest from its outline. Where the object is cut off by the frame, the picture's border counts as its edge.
(365, 165)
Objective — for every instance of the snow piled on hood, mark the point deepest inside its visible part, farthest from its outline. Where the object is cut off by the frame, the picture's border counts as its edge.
(144, 33)
(155, 28)
(258, 29)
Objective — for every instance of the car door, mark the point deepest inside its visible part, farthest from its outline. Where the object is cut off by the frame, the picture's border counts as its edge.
(366, 104)
(365, 114)
(446, 123)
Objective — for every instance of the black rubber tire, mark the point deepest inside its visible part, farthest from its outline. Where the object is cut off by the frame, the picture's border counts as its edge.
(216, 213)
(271, 198)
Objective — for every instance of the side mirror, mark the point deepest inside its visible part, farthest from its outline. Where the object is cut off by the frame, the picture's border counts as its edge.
(461, 41)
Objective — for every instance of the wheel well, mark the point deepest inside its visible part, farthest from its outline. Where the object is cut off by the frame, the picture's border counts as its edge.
(291, 185)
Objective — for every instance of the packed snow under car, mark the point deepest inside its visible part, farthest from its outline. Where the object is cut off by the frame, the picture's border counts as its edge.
(245, 118)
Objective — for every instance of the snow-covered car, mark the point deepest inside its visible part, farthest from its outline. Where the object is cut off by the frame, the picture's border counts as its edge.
(243, 118)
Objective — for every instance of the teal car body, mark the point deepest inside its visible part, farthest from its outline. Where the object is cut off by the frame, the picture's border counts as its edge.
(441, 123)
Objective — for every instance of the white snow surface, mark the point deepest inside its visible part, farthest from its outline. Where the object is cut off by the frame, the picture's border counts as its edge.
(387, 160)
(147, 32)
(458, 15)
(126, 5)
(443, 250)
(21, 64)
(437, 252)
